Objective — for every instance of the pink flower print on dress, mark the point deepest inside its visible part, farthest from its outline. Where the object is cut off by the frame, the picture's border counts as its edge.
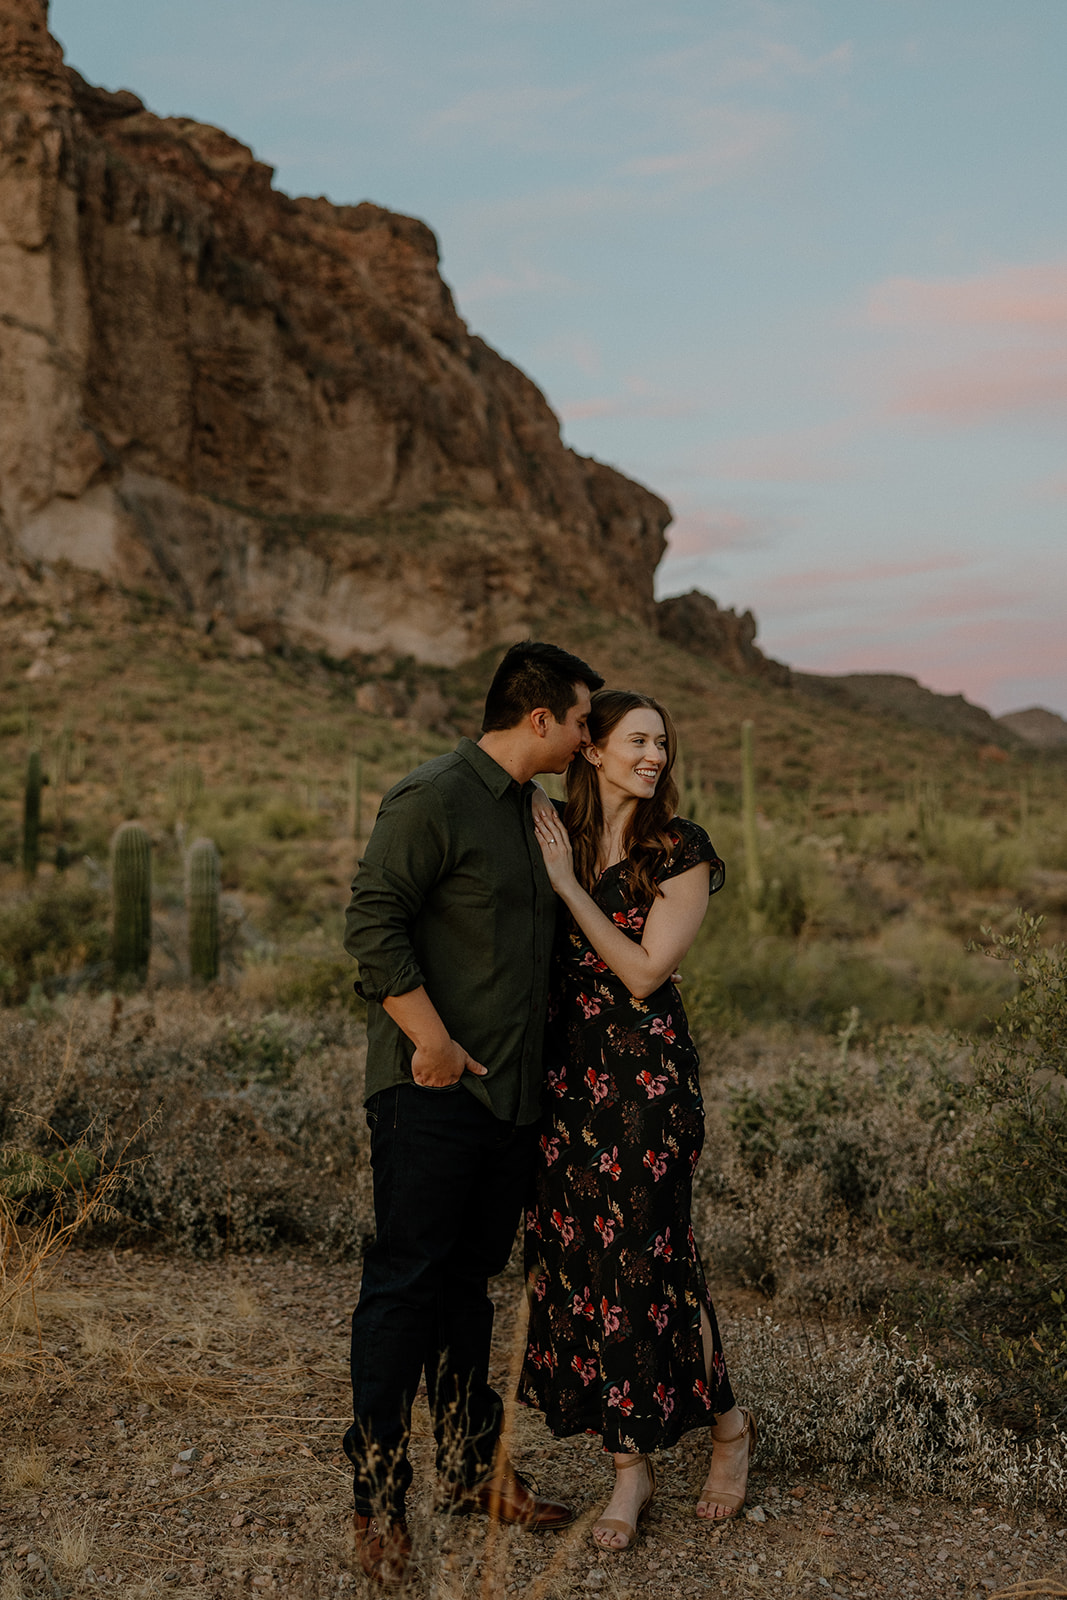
(557, 1082)
(605, 1229)
(629, 919)
(663, 1025)
(656, 1164)
(657, 1315)
(590, 1008)
(652, 1086)
(582, 1305)
(564, 1226)
(718, 1365)
(586, 1369)
(597, 1082)
(610, 1164)
(621, 1398)
(549, 1149)
(662, 1245)
(702, 1392)
(533, 1222)
(664, 1399)
(610, 1316)
(593, 962)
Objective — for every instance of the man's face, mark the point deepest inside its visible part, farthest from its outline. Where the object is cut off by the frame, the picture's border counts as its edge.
(564, 739)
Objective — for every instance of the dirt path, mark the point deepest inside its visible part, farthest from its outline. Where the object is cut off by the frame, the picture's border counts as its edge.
(178, 1433)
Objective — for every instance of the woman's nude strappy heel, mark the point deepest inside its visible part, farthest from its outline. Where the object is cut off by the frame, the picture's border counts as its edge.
(616, 1524)
(735, 1501)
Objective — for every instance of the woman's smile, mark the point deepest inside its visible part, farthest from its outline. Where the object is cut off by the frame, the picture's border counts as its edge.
(633, 755)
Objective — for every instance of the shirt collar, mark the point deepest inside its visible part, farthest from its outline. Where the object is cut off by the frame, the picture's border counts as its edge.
(492, 774)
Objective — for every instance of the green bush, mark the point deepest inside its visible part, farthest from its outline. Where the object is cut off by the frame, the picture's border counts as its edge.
(1003, 1210)
(57, 932)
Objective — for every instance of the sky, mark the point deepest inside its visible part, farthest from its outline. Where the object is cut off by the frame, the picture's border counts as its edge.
(800, 267)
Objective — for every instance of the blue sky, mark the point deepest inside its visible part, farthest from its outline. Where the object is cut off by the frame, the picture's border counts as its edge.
(800, 267)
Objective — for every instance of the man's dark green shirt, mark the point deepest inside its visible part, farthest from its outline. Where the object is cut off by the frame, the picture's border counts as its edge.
(452, 893)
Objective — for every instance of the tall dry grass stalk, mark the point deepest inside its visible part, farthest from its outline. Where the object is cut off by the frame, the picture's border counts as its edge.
(46, 1202)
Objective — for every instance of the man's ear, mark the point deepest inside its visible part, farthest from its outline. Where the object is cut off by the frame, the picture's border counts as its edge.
(540, 720)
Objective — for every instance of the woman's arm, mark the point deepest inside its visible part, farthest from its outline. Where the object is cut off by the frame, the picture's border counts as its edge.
(670, 927)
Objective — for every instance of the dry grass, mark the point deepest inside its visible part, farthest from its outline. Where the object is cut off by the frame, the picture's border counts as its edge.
(262, 1402)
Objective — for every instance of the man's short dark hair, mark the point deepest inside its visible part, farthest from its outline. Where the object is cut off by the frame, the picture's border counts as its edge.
(533, 674)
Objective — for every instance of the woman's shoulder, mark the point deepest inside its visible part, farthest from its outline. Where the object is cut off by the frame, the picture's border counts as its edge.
(690, 845)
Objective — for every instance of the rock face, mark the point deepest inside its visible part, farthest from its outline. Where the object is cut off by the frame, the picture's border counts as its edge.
(699, 625)
(268, 406)
(1037, 726)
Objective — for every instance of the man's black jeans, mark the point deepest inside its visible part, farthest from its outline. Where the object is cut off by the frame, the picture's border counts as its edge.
(450, 1182)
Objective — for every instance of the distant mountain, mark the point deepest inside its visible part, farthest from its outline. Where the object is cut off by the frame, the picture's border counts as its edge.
(896, 695)
(1036, 726)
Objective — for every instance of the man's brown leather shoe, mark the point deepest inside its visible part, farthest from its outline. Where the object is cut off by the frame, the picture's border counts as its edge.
(382, 1548)
(505, 1497)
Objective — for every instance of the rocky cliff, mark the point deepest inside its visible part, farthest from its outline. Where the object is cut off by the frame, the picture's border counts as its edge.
(266, 406)
(697, 623)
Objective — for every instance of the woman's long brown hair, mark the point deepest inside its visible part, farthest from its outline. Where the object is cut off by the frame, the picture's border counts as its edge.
(647, 840)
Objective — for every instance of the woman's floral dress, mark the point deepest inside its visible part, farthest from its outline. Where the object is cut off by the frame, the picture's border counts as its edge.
(617, 1284)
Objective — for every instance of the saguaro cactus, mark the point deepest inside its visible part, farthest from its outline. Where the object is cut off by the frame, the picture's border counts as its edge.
(31, 815)
(131, 900)
(202, 900)
(753, 875)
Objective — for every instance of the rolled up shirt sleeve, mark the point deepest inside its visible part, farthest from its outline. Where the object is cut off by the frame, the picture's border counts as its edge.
(406, 856)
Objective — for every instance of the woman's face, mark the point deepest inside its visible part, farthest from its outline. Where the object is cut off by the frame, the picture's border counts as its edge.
(632, 756)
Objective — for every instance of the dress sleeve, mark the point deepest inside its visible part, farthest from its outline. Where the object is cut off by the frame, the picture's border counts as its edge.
(692, 846)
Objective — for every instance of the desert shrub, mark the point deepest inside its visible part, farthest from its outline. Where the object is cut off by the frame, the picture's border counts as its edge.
(249, 1128)
(47, 1200)
(53, 932)
(733, 980)
(1002, 1209)
(954, 850)
(805, 1172)
(871, 1407)
(305, 983)
(978, 855)
(284, 820)
(858, 1128)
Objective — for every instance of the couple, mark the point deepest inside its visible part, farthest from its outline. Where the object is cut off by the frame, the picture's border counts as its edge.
(477, 1002)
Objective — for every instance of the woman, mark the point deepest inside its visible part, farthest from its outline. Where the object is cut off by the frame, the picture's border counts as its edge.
(623, 1339)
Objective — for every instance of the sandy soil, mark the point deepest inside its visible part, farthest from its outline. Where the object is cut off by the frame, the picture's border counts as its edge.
(177, 1429)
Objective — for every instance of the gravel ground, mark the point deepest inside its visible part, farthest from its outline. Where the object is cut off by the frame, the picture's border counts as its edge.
(173, 1428)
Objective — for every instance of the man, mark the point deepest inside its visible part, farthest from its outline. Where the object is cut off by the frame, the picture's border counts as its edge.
(451, 921)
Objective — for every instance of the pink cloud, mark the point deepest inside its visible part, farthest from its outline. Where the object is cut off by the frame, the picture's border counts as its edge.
(1032, 296)
(1050, 489)
(702, 532)
(982, 659)
(870, 572)
(1004, 382)
(803, 455)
